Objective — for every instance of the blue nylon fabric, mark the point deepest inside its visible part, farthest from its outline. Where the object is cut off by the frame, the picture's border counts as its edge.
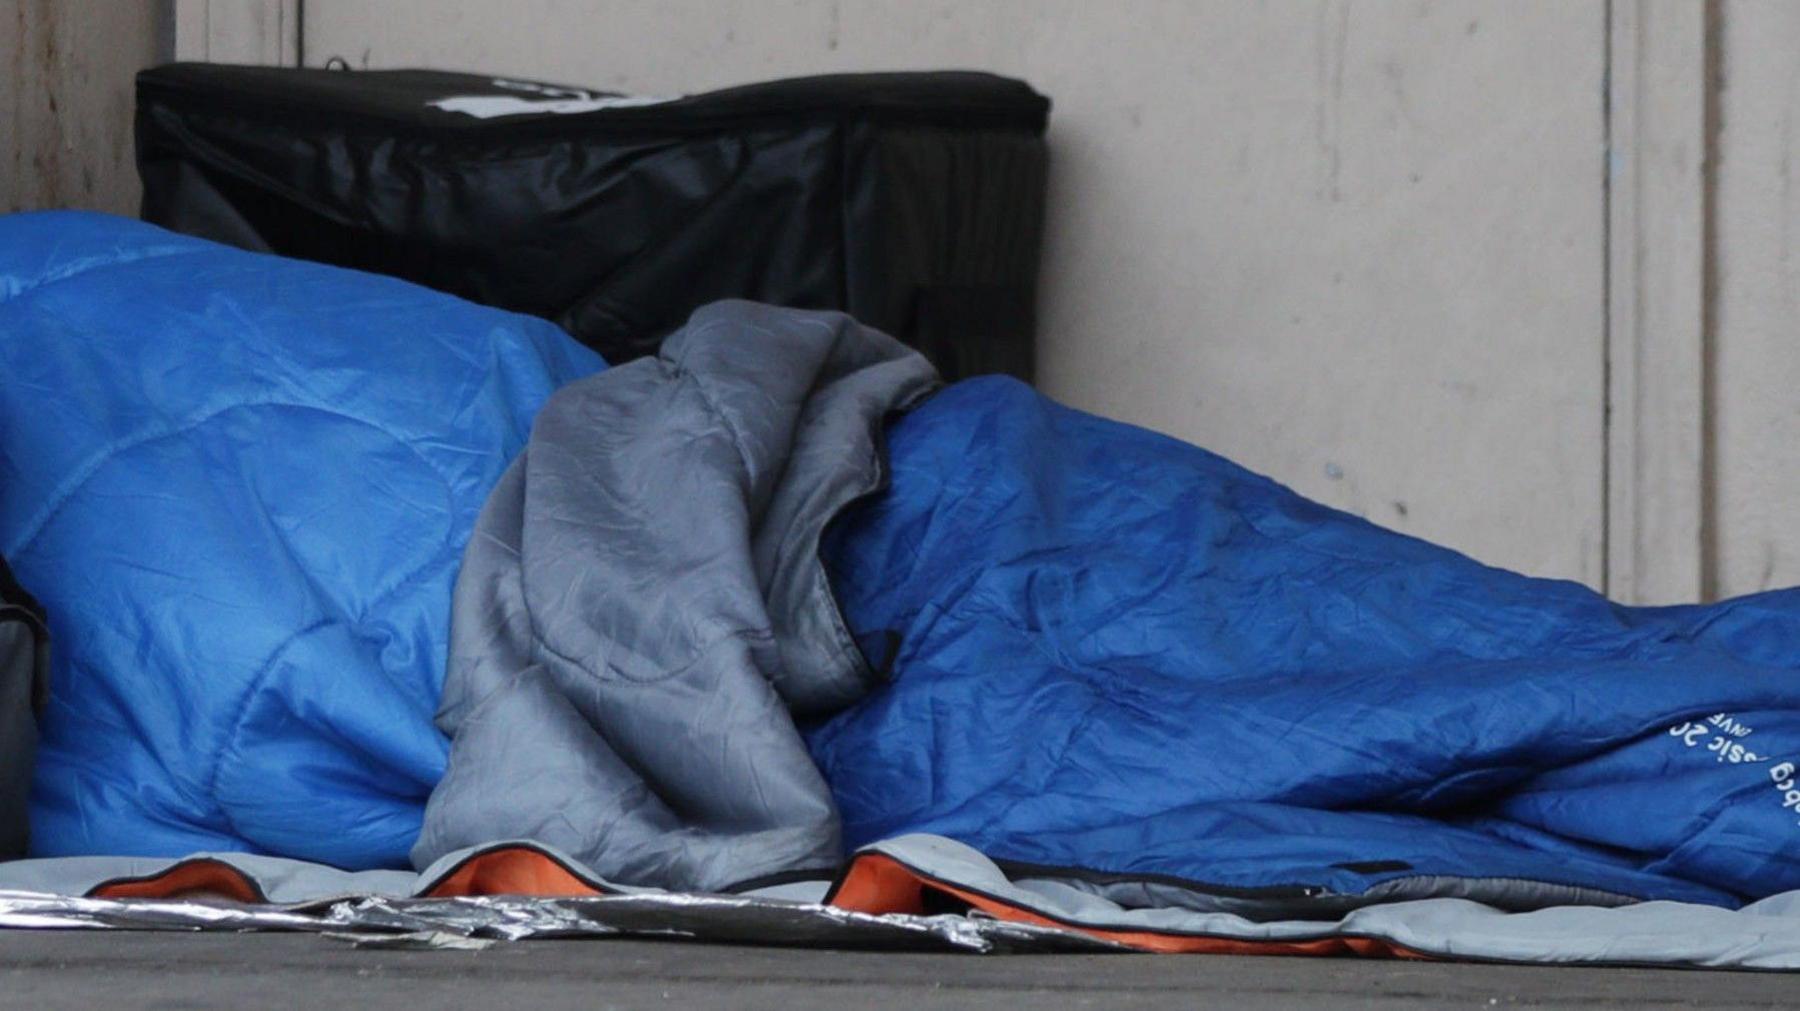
(241, 487)
(1114, 651)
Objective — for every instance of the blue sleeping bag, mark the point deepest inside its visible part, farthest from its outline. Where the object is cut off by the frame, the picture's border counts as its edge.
(1119, 653)
(241, 487)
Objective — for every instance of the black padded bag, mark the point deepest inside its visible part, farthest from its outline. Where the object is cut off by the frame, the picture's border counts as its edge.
(24, 686)
(913, 201)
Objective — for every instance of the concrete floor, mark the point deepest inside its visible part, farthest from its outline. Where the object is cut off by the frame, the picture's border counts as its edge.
(79, 969)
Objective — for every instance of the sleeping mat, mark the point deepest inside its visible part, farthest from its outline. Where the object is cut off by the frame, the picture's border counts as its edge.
(772, 606)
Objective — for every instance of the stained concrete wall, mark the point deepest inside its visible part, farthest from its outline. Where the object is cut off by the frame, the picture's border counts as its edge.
(1355, 245)
(66, 69)
(1375, 248)
(1755, 338)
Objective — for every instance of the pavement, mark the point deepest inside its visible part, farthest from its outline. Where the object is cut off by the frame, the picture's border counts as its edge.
(116, 970)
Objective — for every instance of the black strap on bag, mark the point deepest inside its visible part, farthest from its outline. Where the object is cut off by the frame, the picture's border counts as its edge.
(24, 688)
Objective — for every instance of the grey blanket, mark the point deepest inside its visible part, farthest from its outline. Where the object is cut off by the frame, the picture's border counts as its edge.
(642, 606)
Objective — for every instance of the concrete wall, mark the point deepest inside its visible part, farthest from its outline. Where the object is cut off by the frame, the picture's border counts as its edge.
(66, 69)
(1516, 276)
(1755, 386)
(1356, 245)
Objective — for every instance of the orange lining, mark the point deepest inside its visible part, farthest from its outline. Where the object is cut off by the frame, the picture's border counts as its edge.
(512, 871)
(191, 878)
(876, 883)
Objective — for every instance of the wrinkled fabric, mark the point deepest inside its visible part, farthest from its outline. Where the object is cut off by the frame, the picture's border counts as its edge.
(642, 605)
(1116, 652)
(1113, 664)
(240, 486)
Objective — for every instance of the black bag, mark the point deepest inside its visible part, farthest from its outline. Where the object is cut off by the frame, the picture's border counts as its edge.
(912, 201)
(24, 686)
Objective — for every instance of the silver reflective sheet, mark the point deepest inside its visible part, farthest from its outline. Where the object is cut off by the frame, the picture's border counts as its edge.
(722, 918)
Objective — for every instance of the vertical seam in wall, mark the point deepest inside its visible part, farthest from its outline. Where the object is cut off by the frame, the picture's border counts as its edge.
(1606, 289)
(1712, 85)
(299, 33)
(165, 31)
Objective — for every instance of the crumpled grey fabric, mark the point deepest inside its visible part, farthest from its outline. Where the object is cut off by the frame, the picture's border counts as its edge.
(642, 605)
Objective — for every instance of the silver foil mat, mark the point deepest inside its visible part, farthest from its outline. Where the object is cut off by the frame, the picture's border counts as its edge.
(378, 921)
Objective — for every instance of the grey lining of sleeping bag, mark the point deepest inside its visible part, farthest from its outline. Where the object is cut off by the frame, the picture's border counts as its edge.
(642, 605)
(24, 685)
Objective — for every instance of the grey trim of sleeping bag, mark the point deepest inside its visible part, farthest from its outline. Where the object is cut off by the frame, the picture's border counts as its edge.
(642, 606)
(1763, 935)
(280, 881)
(1129, 892)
